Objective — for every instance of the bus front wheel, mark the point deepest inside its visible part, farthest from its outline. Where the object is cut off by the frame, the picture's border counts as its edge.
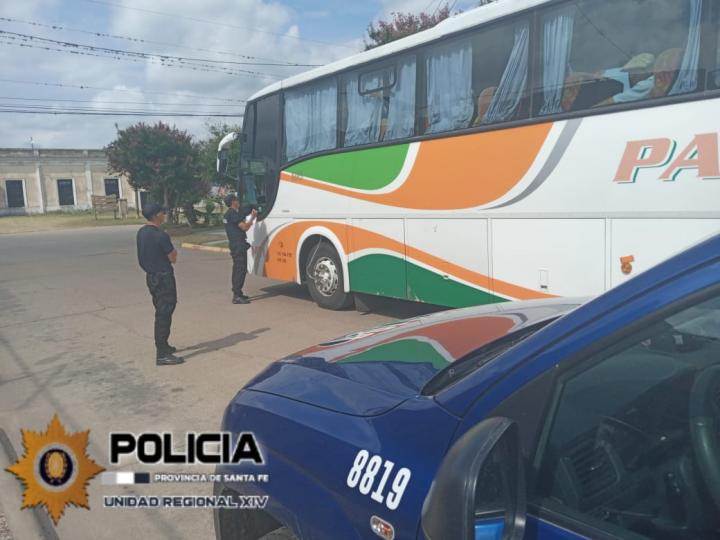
(325, 278)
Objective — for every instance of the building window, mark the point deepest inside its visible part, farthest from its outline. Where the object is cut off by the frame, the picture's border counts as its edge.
(112, 187)
(15, 193)
(66, 192)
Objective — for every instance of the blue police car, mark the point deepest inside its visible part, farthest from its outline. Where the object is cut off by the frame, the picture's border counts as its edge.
(548, 419)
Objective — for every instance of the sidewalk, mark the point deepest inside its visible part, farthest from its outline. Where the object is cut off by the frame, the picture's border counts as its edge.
(213, 240)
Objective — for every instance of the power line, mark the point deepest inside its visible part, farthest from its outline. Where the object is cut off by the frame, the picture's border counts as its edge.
(87, 87)
(141, 40)
(37, 42)
(97, 109)
(437, 8)
(154, 103)
(215, 23)
(16, 110)
(600, 32)
(13, 41)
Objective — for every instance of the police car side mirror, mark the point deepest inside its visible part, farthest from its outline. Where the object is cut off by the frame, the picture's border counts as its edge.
(479, 487)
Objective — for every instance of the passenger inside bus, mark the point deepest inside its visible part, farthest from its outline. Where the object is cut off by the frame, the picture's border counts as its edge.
(591, 59)
(643, 77)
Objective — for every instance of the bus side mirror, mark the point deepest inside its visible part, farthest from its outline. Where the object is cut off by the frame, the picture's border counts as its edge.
(222, 161)
(479, 488)
(223, 153)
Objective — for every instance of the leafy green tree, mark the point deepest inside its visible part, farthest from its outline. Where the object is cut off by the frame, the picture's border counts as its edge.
(161, 159)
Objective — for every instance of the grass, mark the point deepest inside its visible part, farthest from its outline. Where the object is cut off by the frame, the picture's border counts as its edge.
(72, 220)
(214, 236)
(62, 220)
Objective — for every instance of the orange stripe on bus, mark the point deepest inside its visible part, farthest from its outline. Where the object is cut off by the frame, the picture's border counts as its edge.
(457, 172)
(280, 262)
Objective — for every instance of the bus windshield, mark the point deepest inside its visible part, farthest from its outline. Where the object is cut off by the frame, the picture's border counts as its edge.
(259, 154)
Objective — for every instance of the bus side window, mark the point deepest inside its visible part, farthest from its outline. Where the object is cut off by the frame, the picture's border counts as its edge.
(311, 118)
(500, 72)
(477, 80)
(449, 96)
(594, 54)
(713, 26)
(378, 104)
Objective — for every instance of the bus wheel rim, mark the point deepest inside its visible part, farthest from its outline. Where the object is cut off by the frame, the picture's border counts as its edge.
(326, 276)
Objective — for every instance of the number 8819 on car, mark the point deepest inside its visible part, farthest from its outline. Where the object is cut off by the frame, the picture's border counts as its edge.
(365, 474)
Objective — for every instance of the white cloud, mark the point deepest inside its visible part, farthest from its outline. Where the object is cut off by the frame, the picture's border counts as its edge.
(25, 8)
(247, 27)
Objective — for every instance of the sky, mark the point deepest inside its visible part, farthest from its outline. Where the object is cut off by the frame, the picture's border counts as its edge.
(263, 32)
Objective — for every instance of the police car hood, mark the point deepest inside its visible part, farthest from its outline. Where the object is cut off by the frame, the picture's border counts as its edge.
(369, 372)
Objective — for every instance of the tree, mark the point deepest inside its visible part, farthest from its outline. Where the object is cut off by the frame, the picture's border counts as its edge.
(161, 159)
(402, 25)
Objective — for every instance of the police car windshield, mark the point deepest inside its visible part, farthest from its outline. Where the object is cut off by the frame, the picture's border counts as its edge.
(478, 358)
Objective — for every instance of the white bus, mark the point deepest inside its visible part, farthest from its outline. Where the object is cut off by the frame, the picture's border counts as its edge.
(523, 149)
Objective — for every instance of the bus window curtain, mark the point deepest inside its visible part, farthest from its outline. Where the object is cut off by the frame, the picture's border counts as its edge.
(310, 119)
(513, 80)
(363, 114)
(449, 87)
(688, 76)
(557, 41)
(401, 107)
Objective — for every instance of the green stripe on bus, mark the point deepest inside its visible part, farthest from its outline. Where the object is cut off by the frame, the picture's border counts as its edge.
(387, 275)
(378, 274)
(432, 288)
(372, 168)
(412, 351)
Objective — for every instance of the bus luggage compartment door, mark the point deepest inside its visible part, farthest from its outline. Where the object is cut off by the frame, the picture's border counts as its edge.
(533, 258)
(377, 257)
(447, 261)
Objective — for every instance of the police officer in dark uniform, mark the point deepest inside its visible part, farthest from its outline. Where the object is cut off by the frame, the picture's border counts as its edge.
(237, 222)
(156, 256)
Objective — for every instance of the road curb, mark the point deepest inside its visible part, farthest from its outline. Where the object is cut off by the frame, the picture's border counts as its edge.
(200, 247)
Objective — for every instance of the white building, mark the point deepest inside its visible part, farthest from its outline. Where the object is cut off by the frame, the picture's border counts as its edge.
(46, 180)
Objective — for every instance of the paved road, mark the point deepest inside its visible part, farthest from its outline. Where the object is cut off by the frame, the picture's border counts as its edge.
(76, 339)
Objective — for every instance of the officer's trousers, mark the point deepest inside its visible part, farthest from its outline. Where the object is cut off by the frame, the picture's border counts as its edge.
(239, 269)
(164, 296)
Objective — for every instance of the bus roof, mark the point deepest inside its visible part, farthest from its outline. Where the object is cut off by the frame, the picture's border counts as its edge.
(452, 25)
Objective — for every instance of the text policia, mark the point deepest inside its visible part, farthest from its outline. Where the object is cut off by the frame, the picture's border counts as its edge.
(214, 448)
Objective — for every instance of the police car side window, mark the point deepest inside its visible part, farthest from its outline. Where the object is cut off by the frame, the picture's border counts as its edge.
(621, 453)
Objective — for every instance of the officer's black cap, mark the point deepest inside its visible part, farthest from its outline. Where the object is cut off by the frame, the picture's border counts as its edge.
(151, 210)
(230, 198)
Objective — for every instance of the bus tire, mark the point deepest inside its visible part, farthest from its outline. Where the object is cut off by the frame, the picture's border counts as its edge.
(325, 278)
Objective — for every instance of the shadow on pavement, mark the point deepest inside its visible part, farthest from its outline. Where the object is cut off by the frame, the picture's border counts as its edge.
(388, 307)
(222, 343)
